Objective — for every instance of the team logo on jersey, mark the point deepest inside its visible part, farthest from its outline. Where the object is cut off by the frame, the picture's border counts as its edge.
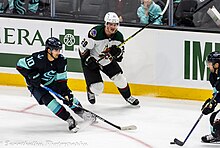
(40, 56)
(93, 32)
(49, 75)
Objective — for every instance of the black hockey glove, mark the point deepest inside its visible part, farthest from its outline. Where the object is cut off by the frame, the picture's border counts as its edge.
(69, 99)
(119, 59)
(91, 63)
(34, 79)
(208, 107)
(115, 51)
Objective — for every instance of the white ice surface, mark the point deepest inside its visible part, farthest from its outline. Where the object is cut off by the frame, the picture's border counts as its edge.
(24, 123)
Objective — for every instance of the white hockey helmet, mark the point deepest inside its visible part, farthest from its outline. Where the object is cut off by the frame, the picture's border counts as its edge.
(111, 17)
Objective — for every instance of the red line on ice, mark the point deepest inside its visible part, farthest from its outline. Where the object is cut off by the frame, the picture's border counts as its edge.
(122, 134)
(27, 108)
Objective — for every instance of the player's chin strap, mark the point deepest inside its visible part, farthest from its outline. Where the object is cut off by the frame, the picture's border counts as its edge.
(130, 127)
(51, 54)
(162, 13)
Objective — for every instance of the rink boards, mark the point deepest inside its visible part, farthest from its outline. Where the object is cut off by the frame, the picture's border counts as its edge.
(162, 63)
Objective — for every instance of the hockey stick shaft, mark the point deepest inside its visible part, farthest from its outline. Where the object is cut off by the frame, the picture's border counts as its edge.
(154, 19)
(131, 36)
(178, 142)
(205, 3)
(134, 34)
(131, 127)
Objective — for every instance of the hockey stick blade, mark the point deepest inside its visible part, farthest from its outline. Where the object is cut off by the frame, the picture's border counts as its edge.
(178, 142)
(131, 127)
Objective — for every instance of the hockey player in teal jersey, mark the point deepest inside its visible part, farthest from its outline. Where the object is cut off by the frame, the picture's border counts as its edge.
(213, 62)
(100, 52)
(48, 67)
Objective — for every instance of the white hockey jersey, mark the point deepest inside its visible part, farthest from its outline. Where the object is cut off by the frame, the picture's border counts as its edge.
(97, 42)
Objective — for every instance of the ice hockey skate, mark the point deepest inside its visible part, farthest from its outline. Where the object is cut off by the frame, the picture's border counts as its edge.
(91, 97)
(72, 125)
(210, 139)
(132, 100)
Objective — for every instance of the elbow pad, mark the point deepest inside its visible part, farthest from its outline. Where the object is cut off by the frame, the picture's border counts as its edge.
(217, 84)
(213, 79)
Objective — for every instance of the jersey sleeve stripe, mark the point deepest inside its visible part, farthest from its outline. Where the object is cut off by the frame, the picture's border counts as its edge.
(22, 63)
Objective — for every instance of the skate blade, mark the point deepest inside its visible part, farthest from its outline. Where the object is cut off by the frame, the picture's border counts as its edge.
(207, 143)
(76, 129)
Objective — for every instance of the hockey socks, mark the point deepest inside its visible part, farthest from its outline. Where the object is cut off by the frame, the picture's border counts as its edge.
(126, 93)
(91, 97)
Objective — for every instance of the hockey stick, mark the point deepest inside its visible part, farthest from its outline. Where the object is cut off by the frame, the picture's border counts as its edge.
(134, 34)
(180, 143)
(205, 3)
(123, 128)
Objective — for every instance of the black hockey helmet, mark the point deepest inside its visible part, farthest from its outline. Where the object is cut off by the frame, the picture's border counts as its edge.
(53, 44)
(214, 57)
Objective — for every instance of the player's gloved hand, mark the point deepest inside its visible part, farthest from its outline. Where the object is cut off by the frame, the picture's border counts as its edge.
(91, 63)
(214, 91)
(119, 59)
(208, 107)
(105, 54)
(115, 51)
(69, 99)
(34, 79)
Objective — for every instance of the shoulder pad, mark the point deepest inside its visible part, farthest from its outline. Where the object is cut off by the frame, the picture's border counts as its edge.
(118, 36)
(61, 57)
(39, 55)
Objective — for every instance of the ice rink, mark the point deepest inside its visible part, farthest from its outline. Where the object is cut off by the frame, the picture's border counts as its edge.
(24, 123)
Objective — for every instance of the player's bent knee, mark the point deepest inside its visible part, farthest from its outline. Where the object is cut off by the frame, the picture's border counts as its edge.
(212, 117)
(97, 88)
(216, 128)
(47, 98)
(119, 80)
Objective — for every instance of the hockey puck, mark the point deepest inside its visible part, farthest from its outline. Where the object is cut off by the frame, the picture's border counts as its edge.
(172, 142)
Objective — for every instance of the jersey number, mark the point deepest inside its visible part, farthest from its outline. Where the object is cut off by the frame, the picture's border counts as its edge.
(30, 61)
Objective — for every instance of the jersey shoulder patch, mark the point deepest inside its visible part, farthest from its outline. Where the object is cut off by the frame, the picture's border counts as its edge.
(97, 32)
(93, 32)
(39, 55)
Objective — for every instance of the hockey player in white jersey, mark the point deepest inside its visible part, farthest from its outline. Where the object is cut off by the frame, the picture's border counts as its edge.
(213, 62)
(99, 52)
